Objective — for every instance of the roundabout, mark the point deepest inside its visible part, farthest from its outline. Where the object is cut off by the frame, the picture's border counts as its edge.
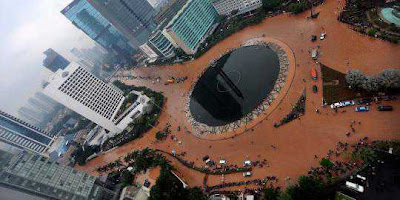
(289, 150)
(239, 87)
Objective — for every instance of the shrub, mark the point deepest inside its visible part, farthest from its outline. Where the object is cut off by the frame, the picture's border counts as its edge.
(271, 193)
(372, 32)
(160, 135)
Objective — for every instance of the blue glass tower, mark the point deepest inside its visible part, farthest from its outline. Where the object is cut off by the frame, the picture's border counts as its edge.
(96, 26)
(54, 61)
(22, 135)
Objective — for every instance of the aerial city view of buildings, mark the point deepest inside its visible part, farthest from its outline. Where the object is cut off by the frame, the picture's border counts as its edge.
(210, 99)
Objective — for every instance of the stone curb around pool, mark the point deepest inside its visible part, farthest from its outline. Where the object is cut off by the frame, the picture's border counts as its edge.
(286, 75)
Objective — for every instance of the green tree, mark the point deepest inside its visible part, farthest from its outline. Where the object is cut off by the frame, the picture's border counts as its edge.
(127, 178)
(168, 187)
(326, 163)
(355, 78)
(196, 194)
(271, 4)
(372, 83)
(367, 154)
(308, 188)
(390, 78)
(372, 32)
(271, 193)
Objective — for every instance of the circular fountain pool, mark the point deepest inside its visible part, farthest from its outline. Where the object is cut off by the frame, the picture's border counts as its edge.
(234, 85)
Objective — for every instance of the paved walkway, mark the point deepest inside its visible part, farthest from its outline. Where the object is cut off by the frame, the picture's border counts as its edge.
(296, 142)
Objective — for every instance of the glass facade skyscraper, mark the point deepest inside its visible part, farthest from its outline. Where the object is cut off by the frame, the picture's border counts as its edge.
(96, 26)
(191, 25)
(54, 61)
(22, 135)
(133, 18)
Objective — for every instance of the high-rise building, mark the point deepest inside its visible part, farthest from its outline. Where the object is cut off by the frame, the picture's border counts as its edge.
(22, 135)
(168, 11)
(163, 47)
(54, 61)
(158, 4)
(36, 176)
(29, 119)
(84, 93)
(229, 7)
(85, 17)
(32, 112)
(133, 18)
(39, 105)
(45, 99)
(191, 25)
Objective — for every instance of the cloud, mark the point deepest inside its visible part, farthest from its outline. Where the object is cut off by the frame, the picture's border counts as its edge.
(28, 30)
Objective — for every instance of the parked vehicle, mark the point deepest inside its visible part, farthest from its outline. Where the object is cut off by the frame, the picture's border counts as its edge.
(322, 37)
(314, 54)
(247, 163)
(364, 101)
(315, 88)
(313, 38)
(246, 174)
(388, 98)
(385, 108)
(206, 159)
(314, 74)
(337, 105)
(362, 109)
(348, 103)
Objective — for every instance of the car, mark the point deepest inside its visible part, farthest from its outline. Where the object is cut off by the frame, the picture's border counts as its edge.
(247, 163)
(364, 101)
(385, 108)
(322, 37)
(348, 103)
(206, 159)
(337, 105)
(388, 98)
(313, 38)
(246, 174)
(362, 109)
(314, 88)
(314, 54)
(222, 162)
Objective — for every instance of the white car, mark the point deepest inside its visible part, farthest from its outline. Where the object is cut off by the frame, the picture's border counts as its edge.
(246, 174)
(337, 105)
(247, 163)
(348, 103)
(222, 162)
(322, 37)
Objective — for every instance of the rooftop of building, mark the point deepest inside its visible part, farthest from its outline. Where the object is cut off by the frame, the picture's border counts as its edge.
(10, 117)
(36, 173)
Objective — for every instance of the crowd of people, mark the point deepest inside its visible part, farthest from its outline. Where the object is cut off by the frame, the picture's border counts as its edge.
(257, 182)
(340, 167)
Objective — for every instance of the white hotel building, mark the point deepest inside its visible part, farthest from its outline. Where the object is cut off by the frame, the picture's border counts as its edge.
(84, 93)
(225, 7)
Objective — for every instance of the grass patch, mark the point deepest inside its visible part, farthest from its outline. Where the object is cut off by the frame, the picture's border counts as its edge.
(335, 87)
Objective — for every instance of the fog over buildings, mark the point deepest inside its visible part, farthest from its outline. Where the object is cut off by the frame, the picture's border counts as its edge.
(25, 34)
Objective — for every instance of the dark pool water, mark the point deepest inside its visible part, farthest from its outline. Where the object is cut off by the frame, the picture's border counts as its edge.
(234, 86)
